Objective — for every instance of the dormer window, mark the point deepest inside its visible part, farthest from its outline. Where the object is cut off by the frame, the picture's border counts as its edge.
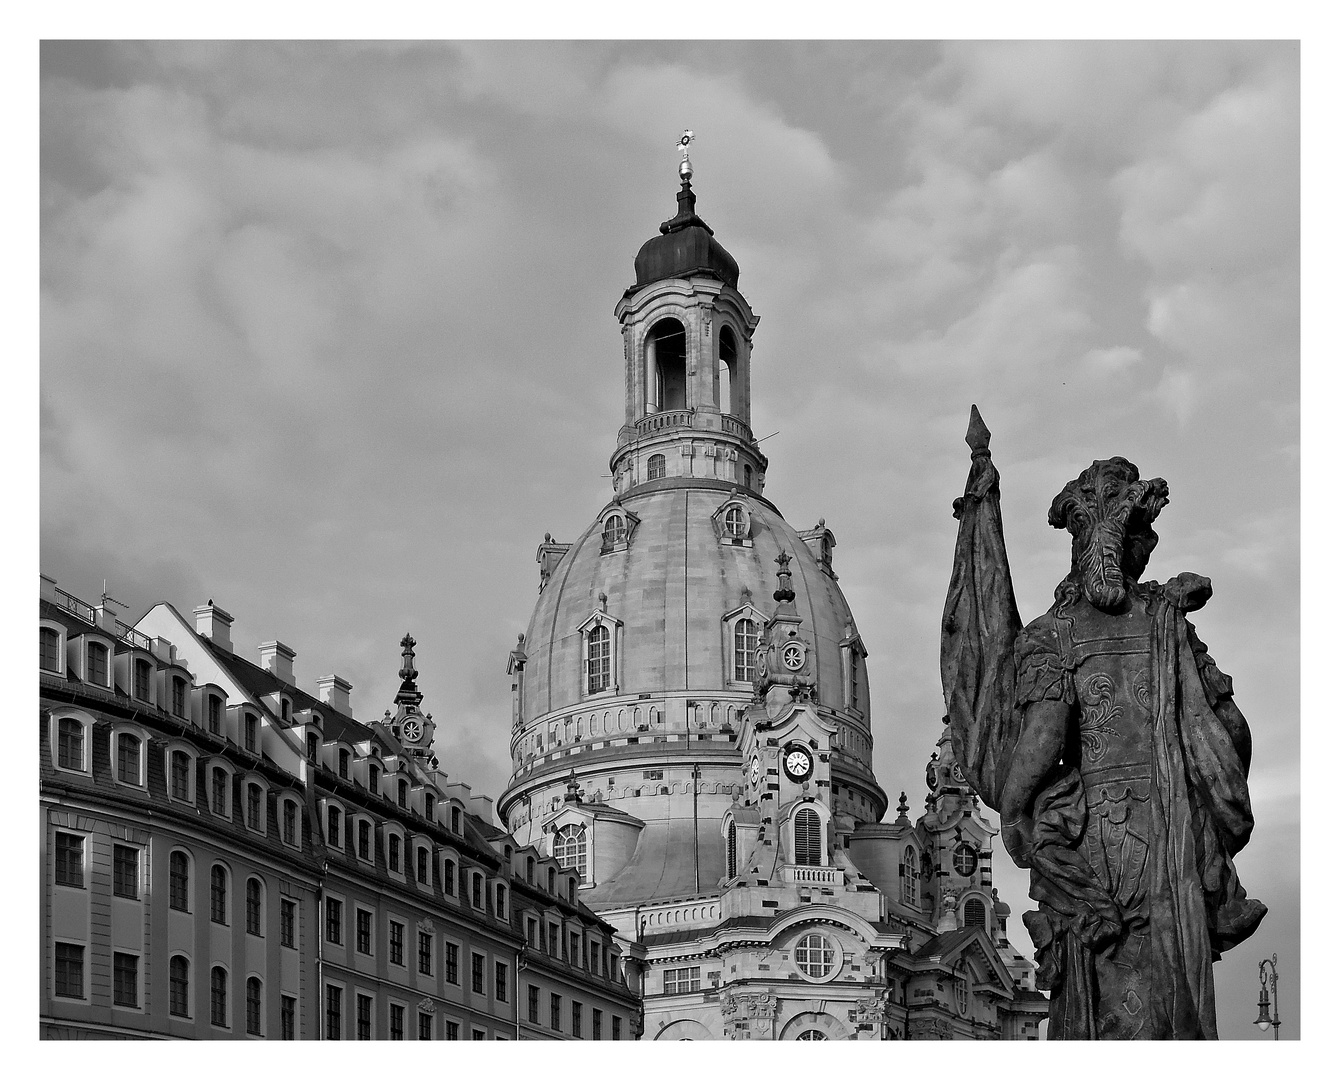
(284, 709)
(313, 744)
(656, 467)
(343, 764)
(290, 826)
(218, 791)
(96, 663)
(570, 848)
(402, 795)
(214, 712)
(429, 804)
(250, 732)
(598, 659)
(615, 530)
(365, 840)
(143, 682)
(333, 827)
(374, 776)
(736, 522)
(393, 853)
(180, 769)
(70, 743)
(456, 819)
(178, 696)
(129, 758)
(733, 523)
(746, 644)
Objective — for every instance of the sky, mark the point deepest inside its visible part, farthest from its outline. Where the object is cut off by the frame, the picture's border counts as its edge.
(327, 336)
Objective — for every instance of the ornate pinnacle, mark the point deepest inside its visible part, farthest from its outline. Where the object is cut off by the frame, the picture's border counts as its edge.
(574, 793)
(407, 670)
(784, 594)
(685, 166)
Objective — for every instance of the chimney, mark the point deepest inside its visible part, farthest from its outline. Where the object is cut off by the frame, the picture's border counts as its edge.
(334, 691)
(277, 659)
(216, 624)
(49, 588)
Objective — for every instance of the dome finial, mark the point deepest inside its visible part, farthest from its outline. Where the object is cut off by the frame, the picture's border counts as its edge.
(685, 166)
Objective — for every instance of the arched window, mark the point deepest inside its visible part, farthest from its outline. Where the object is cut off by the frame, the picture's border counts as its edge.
(290, 822)
(667, 349)
(815, 956)
(393, 853)
(70, 744)
(477, 890)
(179, 881)
(255, 806)
(421, 867)
(808, 838)
(214, 715)
(615, 530)
(365, 840)
(178, 696)
(813, 1035)
(313, 744)
(500, 901)
(455, 819)
(598, 659)
(373, 778)
(251, 728)
(746, 642)
(179, 986)
(429, 805)
(570, 848)
(254, 907)
(218, 791)
(731, 867)
(253, 1006)
(128, 759)
(333, 826)
(343, 764)
(218, 997)
(402, 794)
(181, 775)
(143, 679)
(908, 872)
(974, 913)
(656, 467)
(218, 895)
(449, 877)
(726, 352)
(97, 664)
(48, 641)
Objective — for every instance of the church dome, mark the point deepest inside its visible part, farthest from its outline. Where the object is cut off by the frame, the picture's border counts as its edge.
(685, 247)
(671, 587)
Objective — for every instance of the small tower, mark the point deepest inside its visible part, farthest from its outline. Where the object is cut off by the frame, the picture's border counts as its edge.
(688, 335)
(412, 727)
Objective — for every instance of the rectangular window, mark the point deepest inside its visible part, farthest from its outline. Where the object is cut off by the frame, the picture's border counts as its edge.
(126, 980)
(125, 871)
(616, 1027)
(555, 1012)
(70, 744)
(334, 1003)
(453, 974)
(142, 675)
(553, 941)
(421, 863)
(251, 732)
(476, 973)
(453, 1032)
(49, 648)
(596, 1017)
(70, 860)
(334, 921)
(478, 1036)
(397, 943)
(574, 949)
(364, 1032)
(577, 1019)
(219, 792)
(365, 841)
(97, 664)
(69, 970)
(288, 923)
(363, 931)
(425, 1027)
(685, 980)
(291, 823)
(181, 775)
(499, 980)
(533, 1004)
(179, 697)
(397, 1023)
(533, 933)
(288, 1018)
(477, 891)
(215, 715)
(254, 807)
(425, 953)
(128, 759)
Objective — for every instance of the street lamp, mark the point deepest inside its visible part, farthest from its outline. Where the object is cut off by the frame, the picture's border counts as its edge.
(1263, 1019)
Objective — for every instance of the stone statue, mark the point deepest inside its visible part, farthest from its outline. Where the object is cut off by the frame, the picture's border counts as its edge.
(1108, 741)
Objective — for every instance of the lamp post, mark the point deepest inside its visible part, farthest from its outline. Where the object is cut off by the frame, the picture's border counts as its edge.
(1263, 1018)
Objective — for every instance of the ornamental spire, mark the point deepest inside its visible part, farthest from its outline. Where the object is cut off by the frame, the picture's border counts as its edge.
(685, 166)
(409, 690)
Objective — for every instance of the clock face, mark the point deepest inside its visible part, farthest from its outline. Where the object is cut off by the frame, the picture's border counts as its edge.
(793, 656)
(957, 772)
(798, 763)
(755, 768)
(411, 730)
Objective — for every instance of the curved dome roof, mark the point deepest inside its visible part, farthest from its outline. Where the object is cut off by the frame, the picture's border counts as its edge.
(685, 247)
(670, 588)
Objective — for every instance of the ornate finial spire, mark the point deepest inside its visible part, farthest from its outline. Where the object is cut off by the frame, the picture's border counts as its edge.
(409, 690)
(902, 804)
(784, 593)
(685, 166)
(574, 793)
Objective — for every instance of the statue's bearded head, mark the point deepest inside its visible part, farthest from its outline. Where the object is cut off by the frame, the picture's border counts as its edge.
(1109, 512)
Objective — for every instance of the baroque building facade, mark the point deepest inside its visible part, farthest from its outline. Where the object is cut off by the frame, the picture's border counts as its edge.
(691, 728)
(227, 856)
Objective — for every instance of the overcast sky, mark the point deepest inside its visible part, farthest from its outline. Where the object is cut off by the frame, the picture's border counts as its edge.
(327, 335)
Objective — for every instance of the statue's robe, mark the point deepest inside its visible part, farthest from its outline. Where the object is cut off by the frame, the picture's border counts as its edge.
(1134, 834)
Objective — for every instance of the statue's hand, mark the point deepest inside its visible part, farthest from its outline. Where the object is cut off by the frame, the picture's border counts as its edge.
(1018, 838)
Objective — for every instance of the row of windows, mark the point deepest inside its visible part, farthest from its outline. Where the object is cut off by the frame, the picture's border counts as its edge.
(396, 1015)
(70, 975)
(656, 471)
(575, 1014)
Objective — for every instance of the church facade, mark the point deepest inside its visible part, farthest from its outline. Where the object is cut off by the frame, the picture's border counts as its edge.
(691, 729)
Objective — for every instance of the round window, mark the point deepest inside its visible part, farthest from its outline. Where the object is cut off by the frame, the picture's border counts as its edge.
(965, 860)
(614, 529)
(736, 522)
(813, 1035)
(815, 956)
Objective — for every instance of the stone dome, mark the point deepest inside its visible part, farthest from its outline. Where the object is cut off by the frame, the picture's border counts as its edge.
(670, 588)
